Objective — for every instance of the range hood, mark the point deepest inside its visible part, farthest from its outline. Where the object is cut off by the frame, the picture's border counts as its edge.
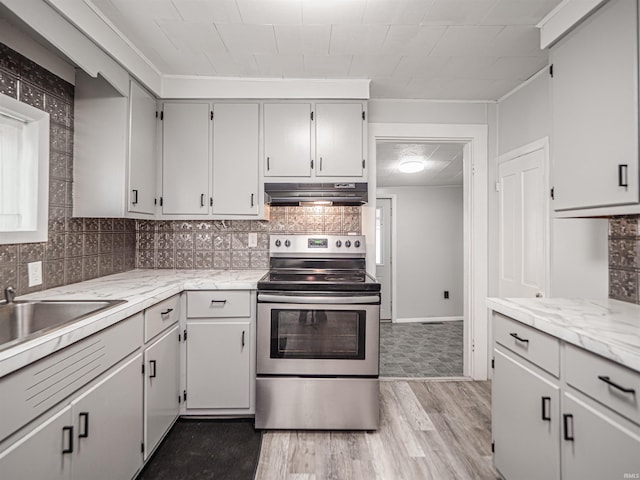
(338, 194)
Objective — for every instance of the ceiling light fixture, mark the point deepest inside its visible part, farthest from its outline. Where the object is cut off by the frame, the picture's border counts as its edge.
(411, 166)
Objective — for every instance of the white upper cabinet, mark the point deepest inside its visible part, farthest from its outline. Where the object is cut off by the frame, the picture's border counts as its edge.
(339, 135)
(320, 141)
(114, 150)
(595, 114)
(142, 158)
(185, 158)
(287, 139)
(236, 141)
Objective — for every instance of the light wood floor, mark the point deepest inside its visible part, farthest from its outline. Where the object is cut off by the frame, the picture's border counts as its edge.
(429, 430)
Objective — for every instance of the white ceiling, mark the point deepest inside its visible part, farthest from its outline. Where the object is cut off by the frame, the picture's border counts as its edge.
(426, 49)
(443, 163)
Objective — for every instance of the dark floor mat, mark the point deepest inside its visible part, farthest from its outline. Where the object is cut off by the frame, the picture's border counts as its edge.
(206, 449)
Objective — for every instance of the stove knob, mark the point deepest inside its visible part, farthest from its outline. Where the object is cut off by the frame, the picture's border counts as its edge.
(338, 243)
(278, 243)
(287, 243)
(357, 243)
(347, 243)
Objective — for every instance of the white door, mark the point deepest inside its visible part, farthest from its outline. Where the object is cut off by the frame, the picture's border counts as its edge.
(383, 254)
(142, 150)
(339, 140)
(44, 452)
(526, 431)
(235, 158)
(287, 139)
(161, 388)
(523, 216)
(218, 364)
(108, 426)
(185, 158)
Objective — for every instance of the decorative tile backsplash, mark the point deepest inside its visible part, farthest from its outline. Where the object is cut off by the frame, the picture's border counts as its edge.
(77, 249)
(624, 258)
(225, 244)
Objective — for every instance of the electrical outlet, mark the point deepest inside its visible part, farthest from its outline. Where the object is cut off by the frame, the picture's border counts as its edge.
(35, 273)
(446, 294)
(253, 240)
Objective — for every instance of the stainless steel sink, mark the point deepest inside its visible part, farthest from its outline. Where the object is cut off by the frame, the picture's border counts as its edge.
(23, 320)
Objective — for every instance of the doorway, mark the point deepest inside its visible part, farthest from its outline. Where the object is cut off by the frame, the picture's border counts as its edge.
(474, 141)
(425, 338)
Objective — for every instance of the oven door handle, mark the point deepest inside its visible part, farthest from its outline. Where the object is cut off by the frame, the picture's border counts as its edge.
(355, 300)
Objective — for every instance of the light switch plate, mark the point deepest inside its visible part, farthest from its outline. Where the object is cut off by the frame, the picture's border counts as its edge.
(35, 273)
(253, 240)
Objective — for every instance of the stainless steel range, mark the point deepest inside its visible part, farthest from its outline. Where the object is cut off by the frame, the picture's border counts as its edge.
(318, 333)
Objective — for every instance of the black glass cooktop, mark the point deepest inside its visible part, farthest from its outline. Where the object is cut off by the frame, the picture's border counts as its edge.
(330, 281)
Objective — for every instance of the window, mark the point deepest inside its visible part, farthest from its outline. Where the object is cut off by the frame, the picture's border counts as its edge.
(24, 172)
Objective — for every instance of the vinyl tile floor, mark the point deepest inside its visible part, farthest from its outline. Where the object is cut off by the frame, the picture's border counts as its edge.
(421, 350)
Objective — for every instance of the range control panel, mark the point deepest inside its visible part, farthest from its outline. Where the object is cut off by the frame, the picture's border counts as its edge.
(351, 244)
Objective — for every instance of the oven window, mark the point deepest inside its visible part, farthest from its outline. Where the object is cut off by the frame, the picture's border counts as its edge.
(319, 334)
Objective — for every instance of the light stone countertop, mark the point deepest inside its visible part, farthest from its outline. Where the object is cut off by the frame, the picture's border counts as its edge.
(140, 288)
(609, 328)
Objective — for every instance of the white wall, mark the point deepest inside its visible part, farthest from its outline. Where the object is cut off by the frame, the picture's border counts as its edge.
(579, 258)
(429, 246)
(425, 111)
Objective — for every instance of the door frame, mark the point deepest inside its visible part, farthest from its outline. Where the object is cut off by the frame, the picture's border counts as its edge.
(475, 217)
(540, 144)
(394, 254)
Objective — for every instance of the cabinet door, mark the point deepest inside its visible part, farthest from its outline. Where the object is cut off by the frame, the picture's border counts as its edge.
(218, 364)
(235, 158)
(339, 139)
(595, 110)
(600, 447)
(526, 431)
(287, 139)
(107, 423)
(185, 158)
(161, 388)
(142, 144)
(40, 453)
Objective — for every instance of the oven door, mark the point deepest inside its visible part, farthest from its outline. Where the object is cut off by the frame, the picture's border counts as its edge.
(318, 335)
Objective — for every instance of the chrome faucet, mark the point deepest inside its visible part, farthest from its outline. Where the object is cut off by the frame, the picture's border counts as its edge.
(9, 294)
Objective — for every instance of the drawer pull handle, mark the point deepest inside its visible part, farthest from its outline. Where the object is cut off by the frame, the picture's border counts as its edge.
(69, 431)
(519, 338)
(622, 175)
(84, 425)
(608, 381)
(566, 417)
(152, 369)
(242, 338)
(219, 301)
(546, 408)
(166, 312)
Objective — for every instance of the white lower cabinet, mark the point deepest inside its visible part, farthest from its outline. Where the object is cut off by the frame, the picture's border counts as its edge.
(597, 445)
(84, 439)
(162, 384)
(44, 452)
(220, 352)
(581, 423)
(218, 364)
(526, 431)
(108, 418)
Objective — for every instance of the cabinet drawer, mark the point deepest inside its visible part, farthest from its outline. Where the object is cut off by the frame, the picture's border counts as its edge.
(611, 384)
(539, 348)
(161, 316)
(219, 303)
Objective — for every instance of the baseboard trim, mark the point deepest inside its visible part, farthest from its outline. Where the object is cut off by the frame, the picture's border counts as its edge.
(428, 319)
